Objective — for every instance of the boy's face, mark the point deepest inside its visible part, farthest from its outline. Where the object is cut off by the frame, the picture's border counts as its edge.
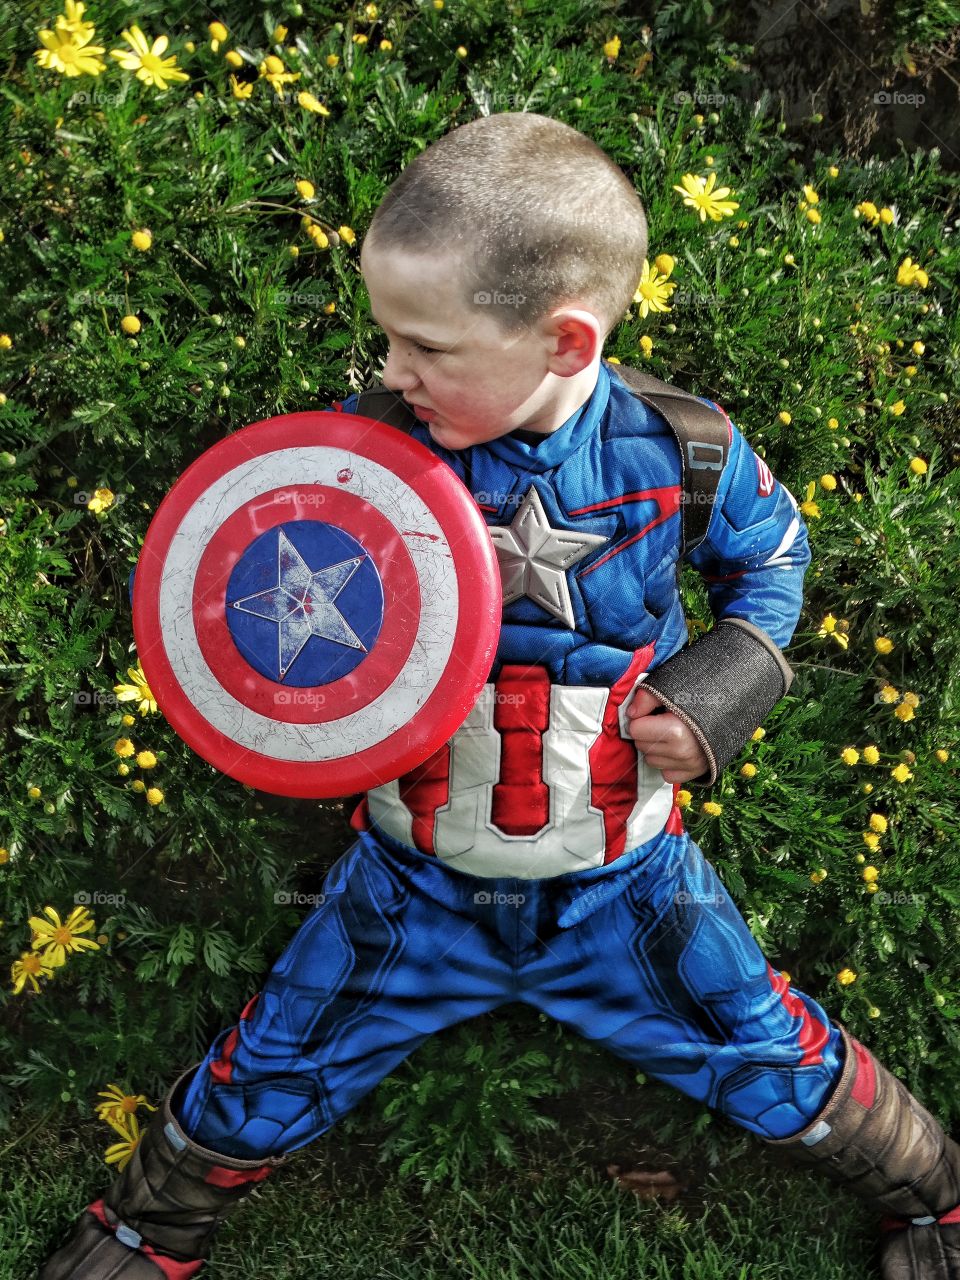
(454, 362)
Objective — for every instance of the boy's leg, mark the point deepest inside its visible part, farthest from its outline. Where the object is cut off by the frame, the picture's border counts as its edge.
(666, 974)
(389, 957)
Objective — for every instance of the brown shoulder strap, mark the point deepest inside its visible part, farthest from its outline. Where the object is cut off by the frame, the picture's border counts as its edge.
(382, 405)
(704, 439)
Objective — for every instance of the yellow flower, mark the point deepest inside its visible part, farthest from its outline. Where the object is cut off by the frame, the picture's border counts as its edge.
(56, 939)
(146, 759)
(119, 1105)
(869, 211)
(785, 417)
(123, 770)
(73, 19)
(871, 840)
(279, 33)
(147, 60)
(901, 773)
(217, 31)
(142, 239)
(942, 756)
(817, 876)
(911, 371)
(886, 216)
(385, 45)
(683, 798)
(910, 272)
(123, 747)
(461, 51)
(34, 792)
(828, 482)
(130, 324)
(332, 59)
(653, 291)
(846, 976)
(872, 887)
(318, 236)
(698, 193)
(918, 348)
(734, 242)
(664, 264)
(785, 975)
(139, 690)
(871, 755)
(646, 344)
(102, 498)
(904, 712)
(869, 874)
(310, 103)
(712, 808)
(833, 423)
(867, 788)
(272, 70)
(833, 171)
(241, 90)
(883, 644)
(127, 719)
(70, 51)
(758, 734)
(138, 785)
(347, 234)
(849, 755)
(813, 215)
(6, 342)
(612, 48)
(888, 694)
(878, 822)
(749, 770)
(918, 466)
(121, 1153)
(898, 408)
(28, 968)
(154, 795)
(810, 194)
(371, 11)
(233, 59)
(306, 189)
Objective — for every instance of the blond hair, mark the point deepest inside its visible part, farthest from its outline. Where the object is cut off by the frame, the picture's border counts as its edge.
(538, 214)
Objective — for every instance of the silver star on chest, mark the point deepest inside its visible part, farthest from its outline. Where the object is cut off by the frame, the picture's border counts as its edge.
(534, 557)
(301, 604)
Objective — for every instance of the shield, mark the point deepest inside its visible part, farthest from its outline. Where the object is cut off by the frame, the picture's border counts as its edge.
(317, 604)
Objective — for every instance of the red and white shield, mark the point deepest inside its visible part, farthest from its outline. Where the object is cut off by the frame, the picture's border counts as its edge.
(317, 604)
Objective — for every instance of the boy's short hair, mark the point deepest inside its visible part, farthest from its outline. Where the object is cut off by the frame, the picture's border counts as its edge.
(540, 215)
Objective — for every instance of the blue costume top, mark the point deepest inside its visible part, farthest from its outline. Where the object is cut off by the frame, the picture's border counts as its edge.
(586, 523)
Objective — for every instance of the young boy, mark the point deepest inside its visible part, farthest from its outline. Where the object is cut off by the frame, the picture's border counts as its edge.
(540, 855)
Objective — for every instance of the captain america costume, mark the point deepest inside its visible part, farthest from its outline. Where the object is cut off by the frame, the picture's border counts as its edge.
(535, 856)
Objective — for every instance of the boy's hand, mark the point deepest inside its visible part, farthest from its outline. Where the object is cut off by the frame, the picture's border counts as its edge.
(663, 740)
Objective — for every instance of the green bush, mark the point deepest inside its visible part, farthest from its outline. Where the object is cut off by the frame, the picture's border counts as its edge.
(773, 314)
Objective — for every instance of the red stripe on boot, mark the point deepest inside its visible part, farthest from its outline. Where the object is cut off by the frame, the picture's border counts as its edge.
(217, 1176)
(169, 1267)
(864, 1088)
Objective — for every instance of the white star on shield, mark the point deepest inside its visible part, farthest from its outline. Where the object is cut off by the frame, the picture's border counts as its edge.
(301, 604)
(534, 557)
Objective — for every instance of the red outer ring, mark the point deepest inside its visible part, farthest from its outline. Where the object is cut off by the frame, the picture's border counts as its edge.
(475, 640)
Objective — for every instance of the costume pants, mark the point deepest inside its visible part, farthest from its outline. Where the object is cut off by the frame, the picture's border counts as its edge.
(647, 956)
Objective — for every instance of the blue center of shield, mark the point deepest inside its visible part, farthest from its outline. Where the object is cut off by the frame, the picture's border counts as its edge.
(304, 603)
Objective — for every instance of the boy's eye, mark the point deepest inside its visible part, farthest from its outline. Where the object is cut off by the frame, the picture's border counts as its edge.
(428, 350)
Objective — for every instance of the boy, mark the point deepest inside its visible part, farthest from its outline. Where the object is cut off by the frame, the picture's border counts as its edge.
(540, 855)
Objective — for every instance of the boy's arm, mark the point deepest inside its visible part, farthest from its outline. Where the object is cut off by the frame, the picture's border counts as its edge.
(753, 561)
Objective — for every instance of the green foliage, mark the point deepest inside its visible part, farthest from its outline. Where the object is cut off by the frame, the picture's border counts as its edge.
(798, 318)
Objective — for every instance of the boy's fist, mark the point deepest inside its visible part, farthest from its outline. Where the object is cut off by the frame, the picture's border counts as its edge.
(663, 739)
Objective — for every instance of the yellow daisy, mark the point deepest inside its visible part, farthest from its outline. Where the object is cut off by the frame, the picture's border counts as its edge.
(698, 193)
(653, 291)
(28, 968)
(73, 20)
(70, 52)
(121, 1153)
(119, 1105)
(56, 939)
(138, 690)
(147, 60)
(310, 103)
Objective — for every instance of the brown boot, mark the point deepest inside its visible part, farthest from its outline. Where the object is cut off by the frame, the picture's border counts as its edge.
(875, 1138)
(158, 1218)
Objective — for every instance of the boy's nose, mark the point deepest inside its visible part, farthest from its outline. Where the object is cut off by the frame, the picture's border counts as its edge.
(396, 377)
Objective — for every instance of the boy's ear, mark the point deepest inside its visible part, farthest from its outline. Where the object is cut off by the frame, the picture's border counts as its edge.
(577, 340)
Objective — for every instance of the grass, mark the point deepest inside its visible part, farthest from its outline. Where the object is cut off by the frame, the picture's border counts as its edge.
(333, 1211)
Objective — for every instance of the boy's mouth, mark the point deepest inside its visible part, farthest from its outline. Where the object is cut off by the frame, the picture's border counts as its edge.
(426, 414)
